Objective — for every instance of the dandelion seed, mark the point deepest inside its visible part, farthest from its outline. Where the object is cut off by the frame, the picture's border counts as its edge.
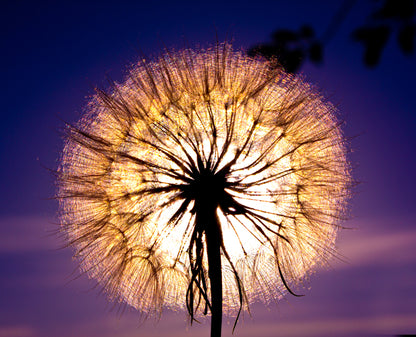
(206, 181)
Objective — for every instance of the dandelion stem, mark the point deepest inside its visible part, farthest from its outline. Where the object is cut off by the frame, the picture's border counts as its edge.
(213, 236)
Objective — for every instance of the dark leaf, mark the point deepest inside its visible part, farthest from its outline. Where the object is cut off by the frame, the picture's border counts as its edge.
(307, 32)
(290, 59)
(316, 52)
(406, 38)
(284, 36)
(266, 50)
(396, 9)
(293, 60)
(290, 48)
(374, 40)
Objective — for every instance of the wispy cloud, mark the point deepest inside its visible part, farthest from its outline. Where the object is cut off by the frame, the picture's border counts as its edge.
(26, 234)
(17, 331)
(367, 296)
(173, 325)
(379, 242)
(365, 326)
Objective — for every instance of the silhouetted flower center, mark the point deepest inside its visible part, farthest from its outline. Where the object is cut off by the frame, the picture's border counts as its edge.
(207, 189)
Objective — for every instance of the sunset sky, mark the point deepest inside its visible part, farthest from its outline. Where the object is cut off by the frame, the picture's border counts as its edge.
(54, 54)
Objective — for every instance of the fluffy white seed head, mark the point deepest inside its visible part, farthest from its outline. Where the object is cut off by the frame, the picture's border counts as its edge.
(124, 168)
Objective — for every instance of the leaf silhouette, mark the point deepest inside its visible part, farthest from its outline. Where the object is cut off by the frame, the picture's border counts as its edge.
(406, 38)
(374, 40)
(290, 49)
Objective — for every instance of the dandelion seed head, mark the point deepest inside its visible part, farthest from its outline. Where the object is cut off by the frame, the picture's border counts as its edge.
(261, 143)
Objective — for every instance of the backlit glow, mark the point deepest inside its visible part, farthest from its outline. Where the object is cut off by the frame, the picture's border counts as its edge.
(123, 166)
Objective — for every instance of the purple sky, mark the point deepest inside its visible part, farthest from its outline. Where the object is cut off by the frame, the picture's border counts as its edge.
(52, 56)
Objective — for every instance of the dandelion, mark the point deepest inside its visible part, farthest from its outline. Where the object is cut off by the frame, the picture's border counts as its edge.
(206, 181)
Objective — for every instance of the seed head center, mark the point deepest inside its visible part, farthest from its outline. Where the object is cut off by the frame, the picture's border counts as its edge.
(208, 188)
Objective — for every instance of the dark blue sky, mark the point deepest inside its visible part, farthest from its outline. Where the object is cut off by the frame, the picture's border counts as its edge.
(53, 54)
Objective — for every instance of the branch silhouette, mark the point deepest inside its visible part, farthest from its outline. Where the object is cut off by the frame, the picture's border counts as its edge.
(292, 49)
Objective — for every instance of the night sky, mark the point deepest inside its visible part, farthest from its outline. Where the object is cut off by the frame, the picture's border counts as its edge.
(54, 54)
